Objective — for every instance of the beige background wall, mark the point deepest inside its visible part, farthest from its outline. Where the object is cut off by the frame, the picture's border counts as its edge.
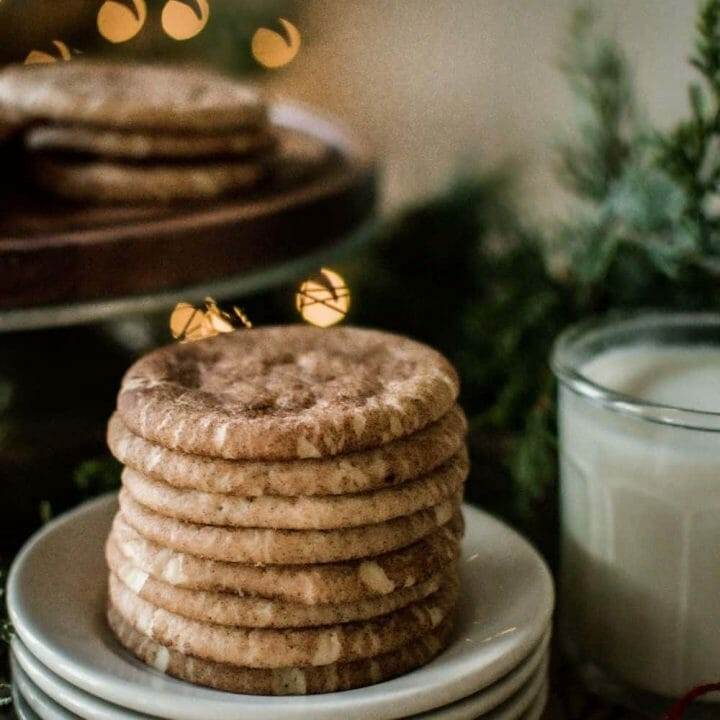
(436, 83)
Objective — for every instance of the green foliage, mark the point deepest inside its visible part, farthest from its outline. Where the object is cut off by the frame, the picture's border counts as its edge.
(398, 286)
(691, 152)
(97, 476)
(494, 293)
(634, 238)
(596, 72)
(630, 221)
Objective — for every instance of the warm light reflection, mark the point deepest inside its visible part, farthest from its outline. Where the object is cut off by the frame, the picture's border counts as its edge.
(182, 22)
(121, 20)
(323, 300)
(117, 22)
(273, 50)
(38, 57)
(188, 323)
(497, 635)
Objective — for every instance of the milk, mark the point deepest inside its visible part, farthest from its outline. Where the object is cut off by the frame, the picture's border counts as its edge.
(641, 518)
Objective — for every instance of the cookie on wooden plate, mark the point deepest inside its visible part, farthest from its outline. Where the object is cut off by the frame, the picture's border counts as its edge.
(301, 513)
(284, 547)
(130, 96)
(361, 471)
(272, 648)
(223, 608)
(280, 681)
(108, 181)
(286, 392)
(108, 142)
(342, 582)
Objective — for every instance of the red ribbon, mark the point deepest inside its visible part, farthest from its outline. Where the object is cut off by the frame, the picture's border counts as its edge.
(677, 711)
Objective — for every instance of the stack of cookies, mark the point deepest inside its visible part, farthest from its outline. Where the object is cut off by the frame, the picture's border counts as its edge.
(136, 133)
(290, 520)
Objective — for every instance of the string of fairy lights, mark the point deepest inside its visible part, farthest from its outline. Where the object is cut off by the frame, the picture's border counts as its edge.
(119, 21)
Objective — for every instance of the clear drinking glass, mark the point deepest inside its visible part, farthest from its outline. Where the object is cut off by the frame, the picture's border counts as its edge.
(639, 428)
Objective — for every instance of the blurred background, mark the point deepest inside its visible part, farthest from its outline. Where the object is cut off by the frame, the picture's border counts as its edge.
(538, 161)
(441, 85)
(435, 85)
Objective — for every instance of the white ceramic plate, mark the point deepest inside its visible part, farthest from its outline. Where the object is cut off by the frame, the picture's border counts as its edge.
(73, 699)
(93, 708)
(31, 703)
(56, 599)
(536, 710)
(21, 708)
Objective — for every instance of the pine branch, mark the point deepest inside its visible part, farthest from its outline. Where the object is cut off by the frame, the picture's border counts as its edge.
(596, 71)
(634, 219)
(633, 241)
(691, 152)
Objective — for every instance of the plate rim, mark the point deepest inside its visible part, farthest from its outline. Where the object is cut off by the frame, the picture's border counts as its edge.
(412, 698)
(519, 703)
(474, 702)
(84, 702)
(533, 696)
(25, 687)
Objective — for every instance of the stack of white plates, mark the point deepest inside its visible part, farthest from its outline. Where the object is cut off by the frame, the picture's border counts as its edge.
(68, 665)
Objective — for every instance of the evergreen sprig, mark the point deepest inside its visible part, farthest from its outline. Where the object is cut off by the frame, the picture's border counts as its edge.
(631, 219)
(630, 240)
(596, 71)
(634, 238)
(691, 152)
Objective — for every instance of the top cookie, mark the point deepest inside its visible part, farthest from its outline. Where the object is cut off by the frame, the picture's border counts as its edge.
(152, 97)
(286, 392)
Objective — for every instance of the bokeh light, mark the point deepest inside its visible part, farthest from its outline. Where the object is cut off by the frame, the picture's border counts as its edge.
(182, 22)
(272, 50)
(323, 300)
(188, 323)
(117, 23)
(40, 57)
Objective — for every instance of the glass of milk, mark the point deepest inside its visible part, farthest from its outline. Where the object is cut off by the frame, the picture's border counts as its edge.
(639, 426)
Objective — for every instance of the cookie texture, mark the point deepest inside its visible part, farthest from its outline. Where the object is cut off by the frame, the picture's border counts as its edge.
(284, 547)
(134, 145)
(280, 681)
(403, 459)
(321, 584)
(271, 648)
(222, 608)
(130, 96)
(117, 182)
(301, 513)
(290, 516)
(284, 393)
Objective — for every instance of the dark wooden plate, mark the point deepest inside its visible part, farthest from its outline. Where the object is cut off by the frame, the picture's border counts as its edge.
(54, 252)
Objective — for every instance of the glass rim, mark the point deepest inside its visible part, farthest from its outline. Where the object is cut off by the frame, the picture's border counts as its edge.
(564, 364)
